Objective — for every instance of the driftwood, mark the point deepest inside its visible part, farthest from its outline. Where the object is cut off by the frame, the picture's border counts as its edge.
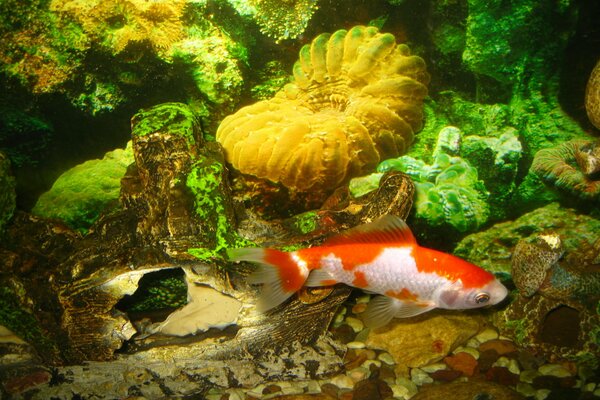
(73, 284)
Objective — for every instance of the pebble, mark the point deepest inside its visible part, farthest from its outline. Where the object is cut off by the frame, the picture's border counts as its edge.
(445, 375)
(468, 350)
(358, 374)
(473, 343)
(408, 384)
(356, 345)
(462, 362)
(525, 389)
(556, 370)
(486, 335)
(502, 347)
(597, 392)
(362, 335)
(528, 375)
(342, 382)
(292, 390)
(511, 364)
(541, 394)
(386, 357)
(376, 363)
(420, 377)
(400, 392)
(356, 324)
(434, 367)
(502, 375)
(589, 387)
(359, 308)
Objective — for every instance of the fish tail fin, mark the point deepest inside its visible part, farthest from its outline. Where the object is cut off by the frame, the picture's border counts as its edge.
(280, 273)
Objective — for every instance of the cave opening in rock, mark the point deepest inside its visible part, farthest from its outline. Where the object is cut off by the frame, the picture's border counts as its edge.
(158, 294)
(561, 327)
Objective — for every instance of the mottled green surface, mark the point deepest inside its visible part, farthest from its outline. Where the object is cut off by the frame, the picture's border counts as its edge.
(173, 118)
(492, 248)
(206, 182)
(79, 195)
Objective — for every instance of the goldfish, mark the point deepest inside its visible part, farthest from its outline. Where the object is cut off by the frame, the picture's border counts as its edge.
(381, 257)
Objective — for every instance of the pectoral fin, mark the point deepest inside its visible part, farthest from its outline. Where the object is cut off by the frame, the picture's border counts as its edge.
(382, 309)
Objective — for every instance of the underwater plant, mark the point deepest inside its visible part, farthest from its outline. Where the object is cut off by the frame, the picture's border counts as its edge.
(356, 99)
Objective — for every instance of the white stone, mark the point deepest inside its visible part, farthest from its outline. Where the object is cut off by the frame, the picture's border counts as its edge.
(367, 364)
(399, 392)
(541, 394)
(408, 384)
(356, 324)
(473, 343)
(589, 387)
(290, 390)
(358, 374)
(356, 345)
(486, 335)
(363, 299)
(420, 377)
(342, 382)
(434, 367)
(513, 366)
(386, 358)
(556, 370)
(501, 362)
(525, 389)
(528, 375)
(469, 350)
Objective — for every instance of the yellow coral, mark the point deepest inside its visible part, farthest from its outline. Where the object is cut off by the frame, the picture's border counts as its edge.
(356, 99)
(118, 23)
(283, 19)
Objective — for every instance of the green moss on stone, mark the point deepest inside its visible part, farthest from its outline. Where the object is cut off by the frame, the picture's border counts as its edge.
(79, 195)
(173, 118)
(205, 181)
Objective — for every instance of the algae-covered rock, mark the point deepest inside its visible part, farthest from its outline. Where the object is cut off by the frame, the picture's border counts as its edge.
(79, 195)
(492, 248)
(7, 192)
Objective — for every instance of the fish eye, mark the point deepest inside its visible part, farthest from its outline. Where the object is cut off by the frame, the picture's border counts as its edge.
(482, 298)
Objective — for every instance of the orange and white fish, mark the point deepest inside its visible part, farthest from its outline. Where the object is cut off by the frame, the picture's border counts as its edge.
(382, 257)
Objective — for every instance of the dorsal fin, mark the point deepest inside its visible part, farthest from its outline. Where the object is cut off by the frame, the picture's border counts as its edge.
(386, 229)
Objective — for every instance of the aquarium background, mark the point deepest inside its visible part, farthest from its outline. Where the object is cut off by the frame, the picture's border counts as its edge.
(120, 193)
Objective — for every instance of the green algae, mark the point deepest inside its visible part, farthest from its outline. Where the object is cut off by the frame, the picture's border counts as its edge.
(173, 118)
(206, 183)
(80, 194)
(306, 222)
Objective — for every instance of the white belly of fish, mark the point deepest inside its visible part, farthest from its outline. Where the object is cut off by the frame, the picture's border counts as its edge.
(393, 270)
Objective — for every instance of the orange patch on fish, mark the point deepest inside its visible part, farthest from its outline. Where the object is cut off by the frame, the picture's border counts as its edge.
(360, 280)
(451, 268)
(404, 295)
(288, 270)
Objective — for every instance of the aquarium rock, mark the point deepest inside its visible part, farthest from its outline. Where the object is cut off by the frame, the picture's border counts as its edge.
(592, 96)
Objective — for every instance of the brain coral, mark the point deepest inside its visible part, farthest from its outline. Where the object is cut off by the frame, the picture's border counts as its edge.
(573, 166)
(356, 99)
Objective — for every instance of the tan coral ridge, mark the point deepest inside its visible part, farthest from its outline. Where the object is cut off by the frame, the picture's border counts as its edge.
(356, 99)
